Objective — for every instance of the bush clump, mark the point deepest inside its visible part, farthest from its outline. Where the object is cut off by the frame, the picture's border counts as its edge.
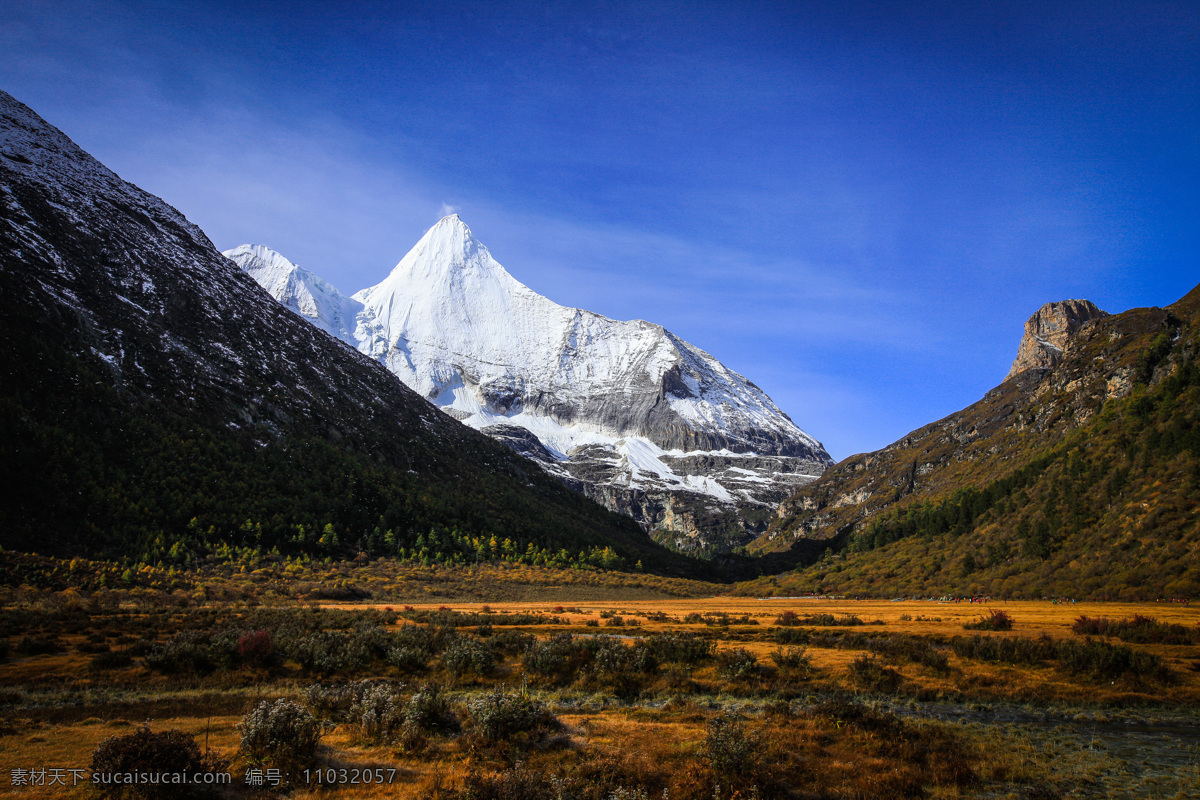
(512, 643)
(171, 751)
(469, 655)
(1137, 630)
(499, 715)
(113, 659)
(869, 673)
(427, 712)
(377, 713)
(839, 711)
(256, 650)
(792, 659)
(738, 664)
(621, 667)
(731, 752)
(282, 734)
(791, 636)
(329, 652)
(1005, 650)
(997, 620)
(790, 619)
(185, 652)
(1103, 661)
(559, 658)
(411, 648)
(682, 648)
(39, 645)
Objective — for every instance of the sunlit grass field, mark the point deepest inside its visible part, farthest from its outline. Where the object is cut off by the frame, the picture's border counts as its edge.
(634, 696)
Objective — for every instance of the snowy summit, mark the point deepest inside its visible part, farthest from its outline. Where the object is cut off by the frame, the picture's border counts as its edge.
(628, 412)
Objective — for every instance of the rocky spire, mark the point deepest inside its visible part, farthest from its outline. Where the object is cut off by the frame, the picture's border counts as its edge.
(1047, 333)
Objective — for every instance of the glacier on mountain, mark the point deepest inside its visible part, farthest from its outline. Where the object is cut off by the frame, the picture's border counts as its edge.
(625, 411)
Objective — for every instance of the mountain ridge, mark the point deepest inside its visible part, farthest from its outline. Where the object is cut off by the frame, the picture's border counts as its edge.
(624, 411)
(1034, 488)
(154, 395)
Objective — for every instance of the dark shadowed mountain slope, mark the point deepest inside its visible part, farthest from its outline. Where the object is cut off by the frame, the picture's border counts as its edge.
(154, 398)
(1079, 475)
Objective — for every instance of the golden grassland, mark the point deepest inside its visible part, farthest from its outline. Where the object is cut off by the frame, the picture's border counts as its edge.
(852, 719)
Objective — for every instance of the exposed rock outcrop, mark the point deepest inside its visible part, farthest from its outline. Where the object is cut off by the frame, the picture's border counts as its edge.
(1048, 331)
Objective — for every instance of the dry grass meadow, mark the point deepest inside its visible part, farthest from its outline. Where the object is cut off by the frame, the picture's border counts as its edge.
(633, 697)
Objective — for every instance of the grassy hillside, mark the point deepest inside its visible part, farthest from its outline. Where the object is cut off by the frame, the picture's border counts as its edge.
(1086, 483)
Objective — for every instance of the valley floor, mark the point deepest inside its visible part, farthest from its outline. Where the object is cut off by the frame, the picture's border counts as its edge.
(564, 694)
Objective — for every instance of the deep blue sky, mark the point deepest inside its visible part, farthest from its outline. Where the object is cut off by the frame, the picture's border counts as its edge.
(855, 204)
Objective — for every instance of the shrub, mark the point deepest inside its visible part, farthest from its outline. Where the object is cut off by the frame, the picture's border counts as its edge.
(1101, 660)
(1005, 650)
(412, 646)
(512, 643)
(623, 668)
(683, 648)
(282, 734)
(371, 641)
(997, 620)
(792, 619)
(429, 711)
(898, 648)
(331, 701)
(345, 702)
(469, 655)
(428, 640)
(255, 649)
(791, 636)
(840, 711)
(517, 783)
(731, 752)
(737, 664)
(788, 619)
(792, 658)
(170, 751)
(328, 652)
(186, 652)
(560, 657)
(376, 713)
(426, 712)
(408, 659)
(445, 617)
(867, 672)
(1138, 630)
(499, 715)
(1090, 626)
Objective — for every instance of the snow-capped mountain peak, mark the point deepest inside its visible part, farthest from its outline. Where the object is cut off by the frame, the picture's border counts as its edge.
(624, 405)
(304, 292)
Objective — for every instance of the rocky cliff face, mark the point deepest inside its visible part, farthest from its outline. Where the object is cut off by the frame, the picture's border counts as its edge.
(1073, 358)
(1049, 330)
(625, 411)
